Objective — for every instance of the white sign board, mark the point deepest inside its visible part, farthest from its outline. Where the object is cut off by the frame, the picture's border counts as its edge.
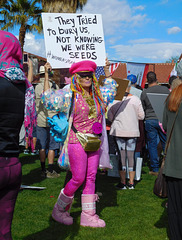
(72, 38)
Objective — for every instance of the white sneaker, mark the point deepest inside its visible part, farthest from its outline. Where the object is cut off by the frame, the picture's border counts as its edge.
(26, 151)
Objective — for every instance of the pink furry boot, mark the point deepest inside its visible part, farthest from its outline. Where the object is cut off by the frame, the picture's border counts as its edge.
(89, 217)
(60, 211)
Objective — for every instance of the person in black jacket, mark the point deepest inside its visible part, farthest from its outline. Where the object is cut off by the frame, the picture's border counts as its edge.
(16, 100)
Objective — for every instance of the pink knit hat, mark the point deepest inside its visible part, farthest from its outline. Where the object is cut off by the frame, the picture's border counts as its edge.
(83, 66)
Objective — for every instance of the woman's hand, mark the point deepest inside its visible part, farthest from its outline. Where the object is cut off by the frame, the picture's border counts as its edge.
(47, 67)
(106, 68)
(30, 63)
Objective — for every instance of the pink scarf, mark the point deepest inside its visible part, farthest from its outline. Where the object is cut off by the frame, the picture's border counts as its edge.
(11, 68)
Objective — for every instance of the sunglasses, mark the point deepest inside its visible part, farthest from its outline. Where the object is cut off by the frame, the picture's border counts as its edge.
(85, 74)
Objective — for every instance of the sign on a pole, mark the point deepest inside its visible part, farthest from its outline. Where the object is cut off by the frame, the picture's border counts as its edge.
(121, 88)
(72, 38)
(136, 69)
(157, 101)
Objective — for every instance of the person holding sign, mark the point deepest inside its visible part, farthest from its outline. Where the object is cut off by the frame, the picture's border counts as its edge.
(85, 143)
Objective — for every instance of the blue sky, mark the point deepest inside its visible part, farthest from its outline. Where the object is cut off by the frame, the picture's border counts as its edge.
(134, 30)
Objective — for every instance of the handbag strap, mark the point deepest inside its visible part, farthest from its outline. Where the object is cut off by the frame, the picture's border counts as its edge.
(74, 129)
(126, 94)
(117, 112)
(70, 111)
(71, 107)
(169, 139)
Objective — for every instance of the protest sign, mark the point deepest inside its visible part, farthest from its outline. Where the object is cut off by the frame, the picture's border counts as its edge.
(72, 38)
(139, 70)
(157, 101)
(121, 88)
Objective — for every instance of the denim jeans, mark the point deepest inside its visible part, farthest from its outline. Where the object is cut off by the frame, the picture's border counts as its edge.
(137, 155)
(153, 131)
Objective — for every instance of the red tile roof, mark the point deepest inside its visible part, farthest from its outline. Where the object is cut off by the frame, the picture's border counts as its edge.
(162, 71)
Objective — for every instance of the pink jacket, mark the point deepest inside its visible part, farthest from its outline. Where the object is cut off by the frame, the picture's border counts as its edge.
(126, 120)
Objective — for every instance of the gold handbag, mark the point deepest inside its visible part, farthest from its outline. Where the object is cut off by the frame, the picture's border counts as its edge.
(88, 141)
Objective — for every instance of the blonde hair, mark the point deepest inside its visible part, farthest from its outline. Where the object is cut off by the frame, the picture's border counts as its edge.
(176, 82)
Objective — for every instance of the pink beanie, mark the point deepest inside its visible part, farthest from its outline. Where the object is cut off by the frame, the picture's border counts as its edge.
(83, 66)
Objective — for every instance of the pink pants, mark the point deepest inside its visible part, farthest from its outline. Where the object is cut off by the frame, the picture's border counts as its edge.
(83, 166)
(10, 180)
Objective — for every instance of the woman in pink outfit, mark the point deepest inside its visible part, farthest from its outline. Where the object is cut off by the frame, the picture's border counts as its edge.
(89, 102)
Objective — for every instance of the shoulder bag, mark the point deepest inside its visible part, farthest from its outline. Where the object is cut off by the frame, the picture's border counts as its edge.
(108, 122)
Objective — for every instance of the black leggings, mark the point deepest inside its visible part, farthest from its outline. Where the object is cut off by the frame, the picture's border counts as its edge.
(175, 207)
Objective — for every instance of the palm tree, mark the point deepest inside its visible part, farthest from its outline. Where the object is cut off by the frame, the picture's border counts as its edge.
(26, 13)
(173, 59)
(62, 6)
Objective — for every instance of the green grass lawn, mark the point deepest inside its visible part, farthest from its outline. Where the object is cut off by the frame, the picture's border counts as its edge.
(129, 214)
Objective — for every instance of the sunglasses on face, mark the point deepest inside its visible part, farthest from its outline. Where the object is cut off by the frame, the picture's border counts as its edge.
(85, 74)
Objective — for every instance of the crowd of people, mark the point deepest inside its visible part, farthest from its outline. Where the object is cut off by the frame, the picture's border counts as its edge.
(86, 146)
